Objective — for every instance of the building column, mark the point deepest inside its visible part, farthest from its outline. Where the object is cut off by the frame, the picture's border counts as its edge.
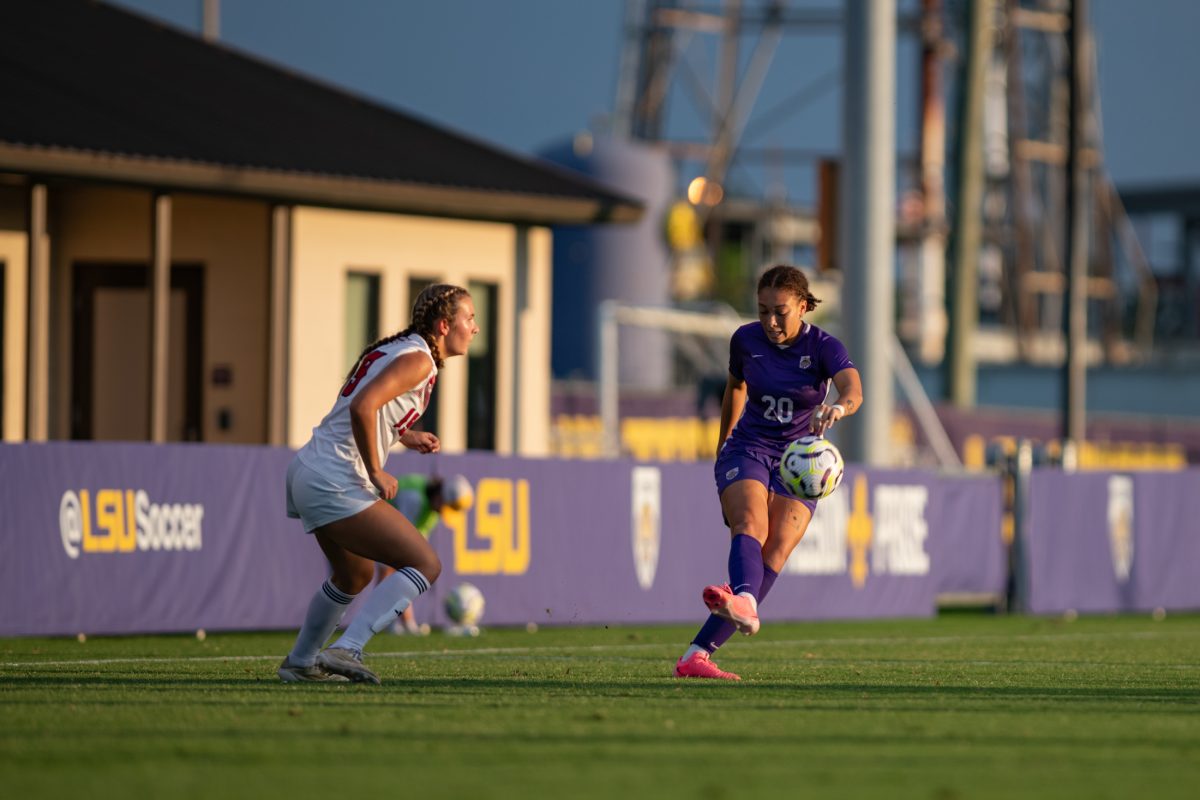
(160, 322)
(277, 334)
(520, 306)
(37, 385)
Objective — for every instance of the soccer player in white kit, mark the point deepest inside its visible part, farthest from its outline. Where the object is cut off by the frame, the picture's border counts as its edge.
(337, 487)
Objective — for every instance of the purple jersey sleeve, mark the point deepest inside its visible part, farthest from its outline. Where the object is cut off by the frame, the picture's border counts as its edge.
(833, 357)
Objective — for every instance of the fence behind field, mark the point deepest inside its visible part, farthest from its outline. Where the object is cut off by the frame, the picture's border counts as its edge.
(1109, 542)
(125, 538)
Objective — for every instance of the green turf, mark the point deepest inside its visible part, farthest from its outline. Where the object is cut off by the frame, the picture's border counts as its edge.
(963, 706)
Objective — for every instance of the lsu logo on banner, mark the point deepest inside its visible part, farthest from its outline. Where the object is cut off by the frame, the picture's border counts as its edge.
(845, 531)
(124, 520)
(499, 545)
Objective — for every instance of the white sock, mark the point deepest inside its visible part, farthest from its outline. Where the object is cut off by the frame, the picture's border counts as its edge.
(692, 651)
(324, 613)
(386, 602)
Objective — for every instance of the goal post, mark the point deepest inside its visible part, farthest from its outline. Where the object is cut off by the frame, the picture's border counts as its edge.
(611, 316)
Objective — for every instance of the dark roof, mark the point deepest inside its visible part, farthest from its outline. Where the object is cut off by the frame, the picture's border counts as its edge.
(1176, 198)
(86, 87)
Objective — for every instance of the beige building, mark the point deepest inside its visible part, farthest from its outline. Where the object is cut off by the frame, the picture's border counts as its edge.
(195, 245)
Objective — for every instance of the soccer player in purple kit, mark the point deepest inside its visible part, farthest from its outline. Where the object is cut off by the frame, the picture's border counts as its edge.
(780, 369)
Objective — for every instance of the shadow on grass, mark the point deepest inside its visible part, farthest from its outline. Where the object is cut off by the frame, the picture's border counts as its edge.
(263, 687)
(256, 740)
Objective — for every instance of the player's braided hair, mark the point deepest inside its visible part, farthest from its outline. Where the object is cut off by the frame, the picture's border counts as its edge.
(436, 302)
(782, 276)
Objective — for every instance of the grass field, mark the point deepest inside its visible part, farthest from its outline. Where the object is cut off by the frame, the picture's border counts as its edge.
(963, 706)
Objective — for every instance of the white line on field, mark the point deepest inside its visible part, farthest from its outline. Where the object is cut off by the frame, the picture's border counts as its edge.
(611, 648)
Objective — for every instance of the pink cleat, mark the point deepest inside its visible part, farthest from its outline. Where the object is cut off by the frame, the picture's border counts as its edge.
(700, 665)
(739, 609)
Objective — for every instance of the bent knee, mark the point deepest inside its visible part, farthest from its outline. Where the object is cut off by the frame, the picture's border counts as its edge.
(751, 527)
(430, 567)
(749, 521)
(428, 564)
(353, 579)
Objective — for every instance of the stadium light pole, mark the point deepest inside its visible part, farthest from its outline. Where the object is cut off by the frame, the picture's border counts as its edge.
(960, 361)
(1074, 375)
(868, 232)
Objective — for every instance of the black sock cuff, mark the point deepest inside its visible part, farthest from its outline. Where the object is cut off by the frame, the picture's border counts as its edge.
(335, 594)
(416, 577)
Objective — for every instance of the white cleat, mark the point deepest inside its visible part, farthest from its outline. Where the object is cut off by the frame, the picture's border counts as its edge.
(291, 673)
(349, 663)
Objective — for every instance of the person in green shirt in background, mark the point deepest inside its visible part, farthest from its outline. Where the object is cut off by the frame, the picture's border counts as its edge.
(422, 498)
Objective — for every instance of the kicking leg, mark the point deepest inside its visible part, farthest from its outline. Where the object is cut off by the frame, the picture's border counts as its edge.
(735, 605)
(744, 504)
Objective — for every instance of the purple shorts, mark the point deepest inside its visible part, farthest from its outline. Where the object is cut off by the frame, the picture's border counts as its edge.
(738, 461)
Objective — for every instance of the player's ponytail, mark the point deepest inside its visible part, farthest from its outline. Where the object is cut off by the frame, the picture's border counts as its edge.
(782, 276)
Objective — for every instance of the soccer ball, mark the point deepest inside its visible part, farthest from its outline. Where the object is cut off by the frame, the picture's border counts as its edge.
(464, 604)
(811, 468)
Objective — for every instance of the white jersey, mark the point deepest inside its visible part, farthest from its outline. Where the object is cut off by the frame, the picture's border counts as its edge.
(332, 451)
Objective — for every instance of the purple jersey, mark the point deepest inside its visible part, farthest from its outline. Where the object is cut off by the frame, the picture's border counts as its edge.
(783, 384)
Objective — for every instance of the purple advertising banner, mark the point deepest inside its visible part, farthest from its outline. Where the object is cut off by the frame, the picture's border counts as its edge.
(1108, 541)
(130, 538)
(125, 538)
(972, 556)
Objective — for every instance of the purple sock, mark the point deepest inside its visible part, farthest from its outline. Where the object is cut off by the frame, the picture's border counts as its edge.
(768, 580)
(745, 565)
(716, 631)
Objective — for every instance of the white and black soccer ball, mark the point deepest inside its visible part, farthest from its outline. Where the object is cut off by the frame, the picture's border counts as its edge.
(811, 468)
(464, 604)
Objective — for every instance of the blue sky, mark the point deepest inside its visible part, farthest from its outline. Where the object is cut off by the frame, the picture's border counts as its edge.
(525, 74)
(1148, 62)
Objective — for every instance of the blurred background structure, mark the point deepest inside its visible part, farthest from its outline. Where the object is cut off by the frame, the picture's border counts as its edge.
(208, 209)
(1044, 217)
(1020, 268)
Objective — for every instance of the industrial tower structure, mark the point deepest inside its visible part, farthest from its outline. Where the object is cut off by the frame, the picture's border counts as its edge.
(987, 185)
